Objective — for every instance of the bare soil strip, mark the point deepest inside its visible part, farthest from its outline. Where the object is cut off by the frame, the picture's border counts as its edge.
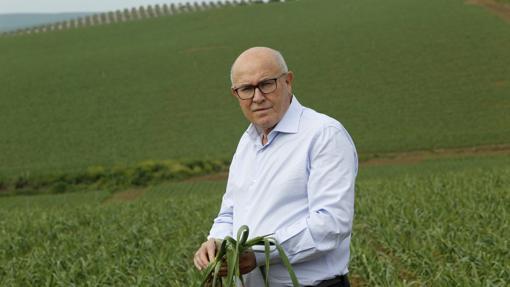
(499, 8)
(125, 196)
(413, 157)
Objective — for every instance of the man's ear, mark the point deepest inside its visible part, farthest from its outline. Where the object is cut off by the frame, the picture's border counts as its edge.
(288, 80)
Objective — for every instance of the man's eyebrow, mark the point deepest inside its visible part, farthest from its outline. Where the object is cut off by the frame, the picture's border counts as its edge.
(242, 86)
(250, 85)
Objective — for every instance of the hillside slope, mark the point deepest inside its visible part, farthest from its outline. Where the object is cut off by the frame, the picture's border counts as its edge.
(399, 74)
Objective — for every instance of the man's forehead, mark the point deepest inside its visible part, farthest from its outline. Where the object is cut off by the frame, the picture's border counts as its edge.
(247, 78)
(254, 69)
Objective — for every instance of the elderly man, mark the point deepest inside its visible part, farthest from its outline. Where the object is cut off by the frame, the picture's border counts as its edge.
(292, 174)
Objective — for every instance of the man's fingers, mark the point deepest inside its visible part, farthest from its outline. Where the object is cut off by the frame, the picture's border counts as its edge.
(201, 258)
(211, 249)
(197, 264)
(205, 254)
(197, 261)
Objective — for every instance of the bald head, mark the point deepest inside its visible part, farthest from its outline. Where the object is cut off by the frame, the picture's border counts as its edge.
(257, 58)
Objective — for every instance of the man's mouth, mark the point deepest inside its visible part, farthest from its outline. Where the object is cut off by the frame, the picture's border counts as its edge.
(260, 109)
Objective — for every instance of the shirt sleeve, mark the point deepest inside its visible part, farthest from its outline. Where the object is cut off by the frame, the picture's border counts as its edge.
(223, 223)
(332, 172)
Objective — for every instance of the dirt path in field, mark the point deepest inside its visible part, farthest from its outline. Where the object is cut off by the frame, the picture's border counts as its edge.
(411, 157)
(499, 8)
(125, 196)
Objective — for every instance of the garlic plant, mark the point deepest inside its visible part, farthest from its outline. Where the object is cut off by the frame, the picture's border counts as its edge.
(230, 250)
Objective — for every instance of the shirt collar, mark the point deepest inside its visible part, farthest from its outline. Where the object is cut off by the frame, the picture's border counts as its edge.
(288, 124)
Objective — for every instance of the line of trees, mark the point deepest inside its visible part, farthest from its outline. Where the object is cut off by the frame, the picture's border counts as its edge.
(135, 13)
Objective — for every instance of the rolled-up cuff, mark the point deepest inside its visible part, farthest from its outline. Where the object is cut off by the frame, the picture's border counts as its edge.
(220, 231)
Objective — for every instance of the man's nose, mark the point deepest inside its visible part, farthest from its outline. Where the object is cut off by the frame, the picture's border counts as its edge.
(258, 96)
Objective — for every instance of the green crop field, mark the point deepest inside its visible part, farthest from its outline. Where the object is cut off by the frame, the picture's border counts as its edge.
(115, 110)
(399, 74)
(442, 227)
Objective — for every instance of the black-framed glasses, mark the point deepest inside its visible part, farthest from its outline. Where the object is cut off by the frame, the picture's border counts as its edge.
(267, 86)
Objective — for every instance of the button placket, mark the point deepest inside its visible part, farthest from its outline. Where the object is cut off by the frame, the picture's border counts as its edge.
(257, 163)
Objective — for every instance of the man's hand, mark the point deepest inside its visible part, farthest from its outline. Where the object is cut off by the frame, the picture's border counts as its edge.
(247, 263)
(205, 254)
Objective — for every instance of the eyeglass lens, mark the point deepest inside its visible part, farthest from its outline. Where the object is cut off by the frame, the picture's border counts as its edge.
(265, 87)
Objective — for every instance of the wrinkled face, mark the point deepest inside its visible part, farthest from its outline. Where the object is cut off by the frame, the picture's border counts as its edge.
(263, 110)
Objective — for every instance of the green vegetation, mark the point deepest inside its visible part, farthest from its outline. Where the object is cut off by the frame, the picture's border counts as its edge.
(399, 74)
(66, 239)
(129, 105)
(114, 178)
(438, 228)
(230, 250)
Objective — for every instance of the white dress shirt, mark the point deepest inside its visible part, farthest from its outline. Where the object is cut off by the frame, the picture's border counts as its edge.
(299, 186)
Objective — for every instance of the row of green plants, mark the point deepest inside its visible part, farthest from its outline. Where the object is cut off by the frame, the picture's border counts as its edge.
(441, 229)
(127, 114)
(118, 176)
(112, 178)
